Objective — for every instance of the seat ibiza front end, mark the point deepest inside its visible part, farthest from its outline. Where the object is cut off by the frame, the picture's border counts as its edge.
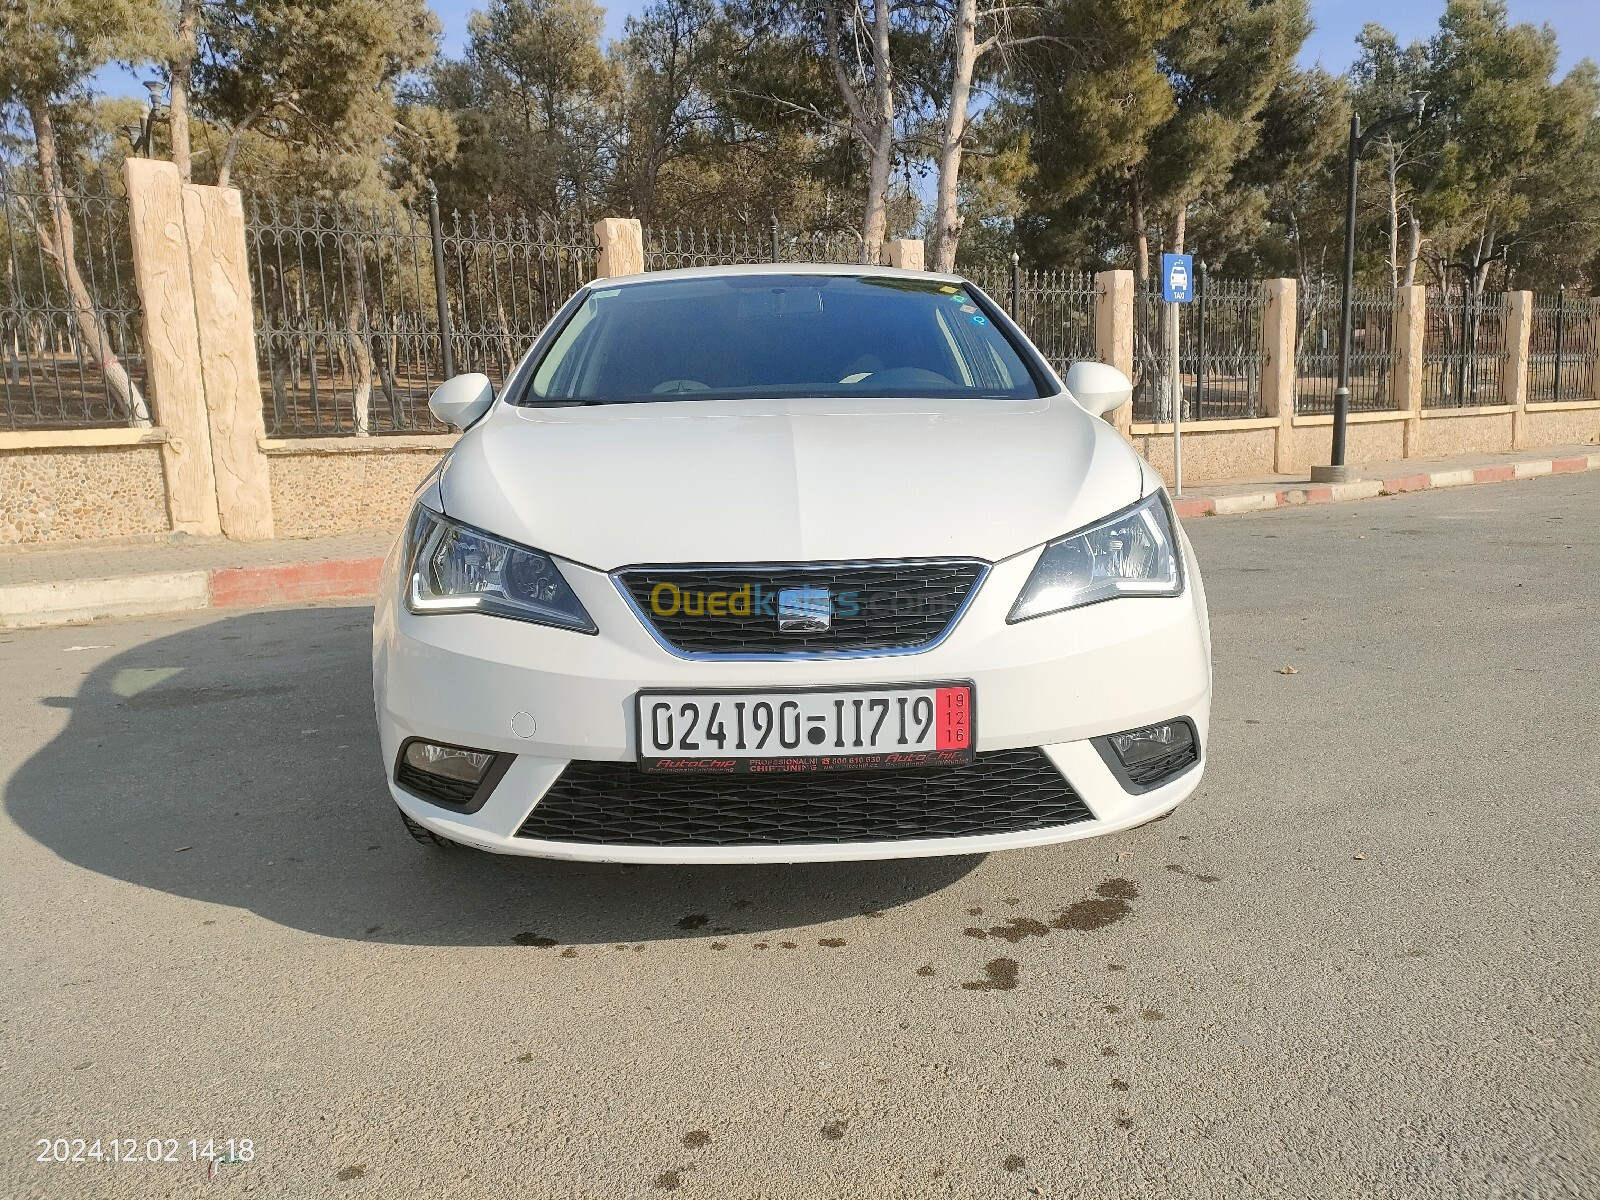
(783, 564)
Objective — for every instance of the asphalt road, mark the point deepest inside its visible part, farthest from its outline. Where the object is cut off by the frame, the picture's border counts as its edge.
(1360, 962)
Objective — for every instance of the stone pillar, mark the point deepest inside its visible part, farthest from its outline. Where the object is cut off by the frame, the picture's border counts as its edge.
(172, 342)
(1410, 332)
(1278, 367)
(1113, 332)
(1519, 329)
(620, 241)
(904, 252)
(219, 263)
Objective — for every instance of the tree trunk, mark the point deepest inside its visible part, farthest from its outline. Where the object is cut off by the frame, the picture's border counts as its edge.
(875, 219)
(360, 351)
(947, 215)
(871, 117)
(182, 66)
(1180, 225)
(874, 225)
(236, 139)
(64, 255)
(1394, 213)
(361, 379)
(1141, 236)
(1414, 249)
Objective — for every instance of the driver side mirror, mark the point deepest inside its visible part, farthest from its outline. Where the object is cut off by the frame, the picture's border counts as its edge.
(461, 400)
(1098, 387)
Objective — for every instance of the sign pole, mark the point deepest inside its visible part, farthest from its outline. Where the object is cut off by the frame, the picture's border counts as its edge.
(1177, 288)
(1177, 399)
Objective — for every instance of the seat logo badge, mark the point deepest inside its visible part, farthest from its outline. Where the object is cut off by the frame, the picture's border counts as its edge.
(805, 610)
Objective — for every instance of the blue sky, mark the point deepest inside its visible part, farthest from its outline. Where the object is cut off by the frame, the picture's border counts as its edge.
(1577, 24)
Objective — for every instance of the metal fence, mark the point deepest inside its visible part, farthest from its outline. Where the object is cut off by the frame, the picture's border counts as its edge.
(668, 249)
(71, 340)
(1219, 351)
(1563, 349)
(1317, 348)
(360, 313)
(1464, 350)
(1054, 308)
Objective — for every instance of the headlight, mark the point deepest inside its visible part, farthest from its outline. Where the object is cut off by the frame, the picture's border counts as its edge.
(1131, 553)
(455, 568)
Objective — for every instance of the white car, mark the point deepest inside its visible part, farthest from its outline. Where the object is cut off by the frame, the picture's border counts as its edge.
(784, 564)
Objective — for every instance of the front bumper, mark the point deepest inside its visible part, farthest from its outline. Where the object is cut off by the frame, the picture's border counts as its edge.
(550, 696)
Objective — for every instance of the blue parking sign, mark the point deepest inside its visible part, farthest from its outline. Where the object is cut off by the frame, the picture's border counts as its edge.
(1177, 278)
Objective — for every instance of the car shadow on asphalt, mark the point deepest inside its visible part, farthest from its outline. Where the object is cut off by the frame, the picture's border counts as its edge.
(237, 763)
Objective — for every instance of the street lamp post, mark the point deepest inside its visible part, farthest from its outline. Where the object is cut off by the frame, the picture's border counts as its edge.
(1337, 471)
(143, 134)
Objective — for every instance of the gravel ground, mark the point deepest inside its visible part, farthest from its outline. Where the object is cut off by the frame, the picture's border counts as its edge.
(1359, 962)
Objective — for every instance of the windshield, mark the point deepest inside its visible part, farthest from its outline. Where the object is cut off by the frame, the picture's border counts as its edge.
(778, 336)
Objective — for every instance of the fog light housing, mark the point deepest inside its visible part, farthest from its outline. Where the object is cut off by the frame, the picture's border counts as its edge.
(457, 776)
(449, 762)
(1149, 756)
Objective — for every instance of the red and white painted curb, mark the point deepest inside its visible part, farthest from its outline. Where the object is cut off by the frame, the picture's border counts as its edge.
(252, 587)
(1362, 489)
(73, 601)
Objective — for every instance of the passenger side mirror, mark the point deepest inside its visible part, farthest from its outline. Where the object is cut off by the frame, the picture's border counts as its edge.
(1098, 388)
(461, 400)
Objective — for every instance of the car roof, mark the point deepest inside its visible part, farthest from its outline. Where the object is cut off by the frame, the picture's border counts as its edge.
(847, 269)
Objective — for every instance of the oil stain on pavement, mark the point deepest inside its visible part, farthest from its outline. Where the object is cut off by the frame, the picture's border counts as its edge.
(1000, 976)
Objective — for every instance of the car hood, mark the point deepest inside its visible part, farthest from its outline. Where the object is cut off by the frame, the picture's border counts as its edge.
(788, 480)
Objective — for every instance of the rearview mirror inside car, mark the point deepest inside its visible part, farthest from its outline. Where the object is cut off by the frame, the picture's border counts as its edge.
(1098, 387)
(461, 400)
(766, 303)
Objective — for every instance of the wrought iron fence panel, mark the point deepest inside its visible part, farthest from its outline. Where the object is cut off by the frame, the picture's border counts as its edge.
(1372, 360)
(668, 249)
(360, 313)
(1563, 349)
(1054, 308)
(68, 361)
(671, 249)
(507, 280)
(822, 246)
(1219, 351)
(994, 278)
(1464, 350)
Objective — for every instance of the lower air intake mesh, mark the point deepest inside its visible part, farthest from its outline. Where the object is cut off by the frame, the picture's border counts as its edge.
(1007, 791)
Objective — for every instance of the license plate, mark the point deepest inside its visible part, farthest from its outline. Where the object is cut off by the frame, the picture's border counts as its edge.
(828, 729)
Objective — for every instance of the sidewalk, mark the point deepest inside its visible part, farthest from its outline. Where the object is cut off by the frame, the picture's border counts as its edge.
(1383, 479)
(61, 585)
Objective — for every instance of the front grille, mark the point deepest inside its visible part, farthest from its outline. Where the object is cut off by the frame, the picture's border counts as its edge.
(1154, 770)
(898, 605)
(616, 804)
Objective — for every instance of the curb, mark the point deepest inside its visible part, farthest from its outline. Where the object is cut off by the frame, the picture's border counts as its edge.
(75, 601)
(1362, 489)
(251, 587)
